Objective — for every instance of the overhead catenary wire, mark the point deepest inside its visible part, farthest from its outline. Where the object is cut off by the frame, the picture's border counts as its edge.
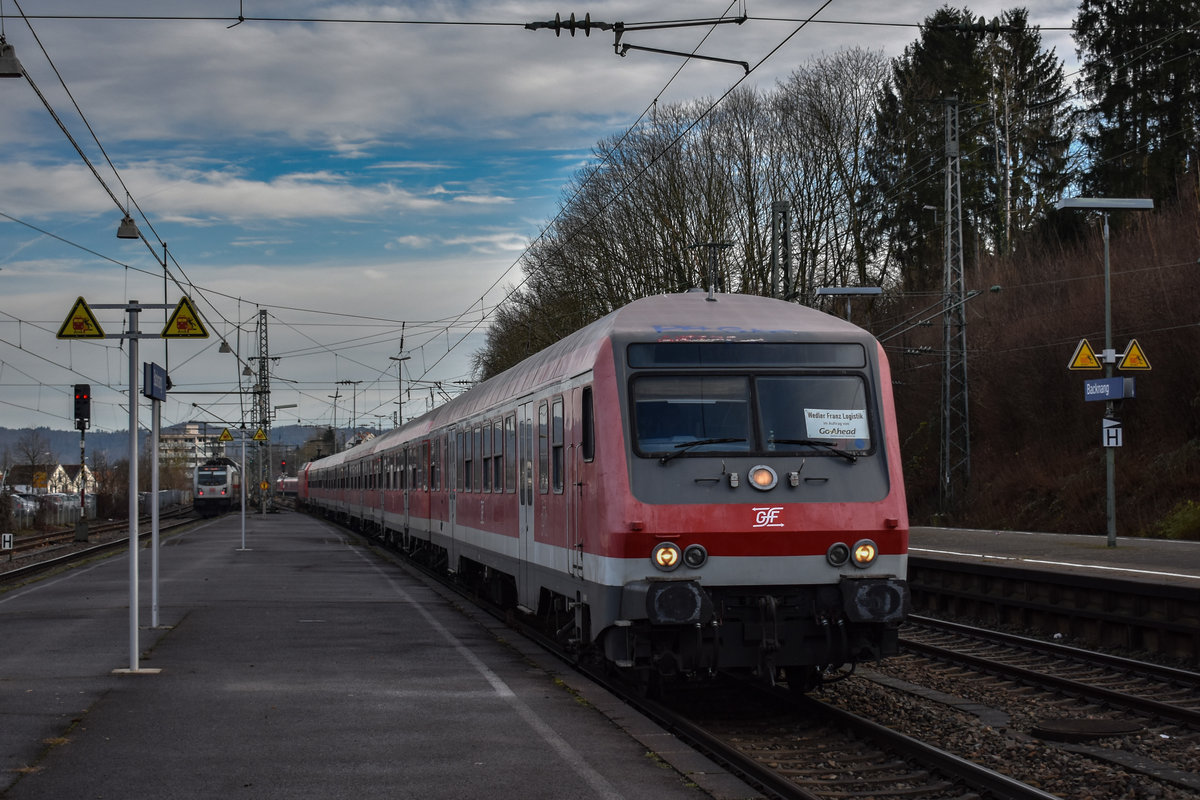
(481, 307)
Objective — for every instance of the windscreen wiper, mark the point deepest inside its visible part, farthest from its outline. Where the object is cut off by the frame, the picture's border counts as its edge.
(683, 447)
(837, 451)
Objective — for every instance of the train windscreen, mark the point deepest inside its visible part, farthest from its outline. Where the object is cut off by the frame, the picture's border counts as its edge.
(764, 414)
(211, 477)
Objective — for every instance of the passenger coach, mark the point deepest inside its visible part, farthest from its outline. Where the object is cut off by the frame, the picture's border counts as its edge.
(692, 483)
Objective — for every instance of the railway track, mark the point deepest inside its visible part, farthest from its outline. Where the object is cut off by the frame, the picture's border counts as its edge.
(785, 745)
(832, 745)
(798, 747)
(1124, 727)
(33, 555)
(1152, 690)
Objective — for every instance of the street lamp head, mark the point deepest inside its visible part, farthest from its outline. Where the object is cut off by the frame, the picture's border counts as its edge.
(1105, 203)
(128, 229)
(10, 65)
(849, 290)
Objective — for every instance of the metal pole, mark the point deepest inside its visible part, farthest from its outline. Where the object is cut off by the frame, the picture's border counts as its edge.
(81, 527)
(243, 488)
(1110, 453)
(133, 485)
(155, 416)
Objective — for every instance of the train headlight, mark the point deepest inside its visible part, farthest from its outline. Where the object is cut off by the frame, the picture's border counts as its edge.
(837, 554)
(695, 556)
(762, 477)
(666, 556)
(864, 553)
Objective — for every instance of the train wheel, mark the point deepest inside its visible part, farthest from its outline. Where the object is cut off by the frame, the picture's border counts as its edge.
(803, 680)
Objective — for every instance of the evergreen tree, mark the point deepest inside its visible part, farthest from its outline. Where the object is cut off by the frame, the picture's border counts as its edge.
(1141, 74)
(1013, 137)
(1030, 129)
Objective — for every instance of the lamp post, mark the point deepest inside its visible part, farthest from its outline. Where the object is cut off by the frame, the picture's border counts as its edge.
(334, 397)
(1104, 205)
(400, 359)
(353, 403)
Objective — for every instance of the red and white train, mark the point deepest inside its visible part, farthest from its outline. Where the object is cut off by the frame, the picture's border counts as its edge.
(693, 483)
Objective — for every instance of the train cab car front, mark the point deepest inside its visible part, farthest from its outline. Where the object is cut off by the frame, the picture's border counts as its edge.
(764, 474)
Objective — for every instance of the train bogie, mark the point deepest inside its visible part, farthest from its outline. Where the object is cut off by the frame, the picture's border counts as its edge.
(685, 486)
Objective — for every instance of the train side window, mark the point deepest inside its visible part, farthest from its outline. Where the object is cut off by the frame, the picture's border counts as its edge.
(498, 456)
(588, 421)
(423, 466)
(556, 445)
(435, 465)
(447, 461)
(468, 460)
(460, 460)
(477, 450)
(487, 457)
(510, 445)
(543, 434)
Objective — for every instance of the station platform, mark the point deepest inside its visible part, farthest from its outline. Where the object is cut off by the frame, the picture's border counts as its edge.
(1158, 561)
(303, 666)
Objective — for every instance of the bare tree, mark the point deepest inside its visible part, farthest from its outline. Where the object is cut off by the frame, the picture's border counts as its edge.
(33, 449)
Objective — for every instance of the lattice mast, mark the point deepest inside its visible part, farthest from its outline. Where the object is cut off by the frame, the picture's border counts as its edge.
(956, 429)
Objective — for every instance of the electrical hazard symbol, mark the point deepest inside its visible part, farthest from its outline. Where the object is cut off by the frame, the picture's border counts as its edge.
(184, 322)
(80, 323)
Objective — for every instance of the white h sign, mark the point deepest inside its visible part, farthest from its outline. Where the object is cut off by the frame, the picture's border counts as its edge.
(1110, 436)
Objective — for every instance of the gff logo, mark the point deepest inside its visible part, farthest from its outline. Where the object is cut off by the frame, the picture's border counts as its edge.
(768, 517)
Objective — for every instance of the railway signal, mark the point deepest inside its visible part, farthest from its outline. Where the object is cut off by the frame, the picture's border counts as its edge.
(83, 405)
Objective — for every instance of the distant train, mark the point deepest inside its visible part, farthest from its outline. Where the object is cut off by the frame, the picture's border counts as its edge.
(216, 487)
(688, 485)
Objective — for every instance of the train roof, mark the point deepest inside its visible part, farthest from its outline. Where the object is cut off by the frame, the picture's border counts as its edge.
(686, 316)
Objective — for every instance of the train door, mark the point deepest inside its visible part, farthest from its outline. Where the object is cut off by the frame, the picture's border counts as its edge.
(405, 488)
(525, 499)
(574, 485)
(449, 473)
(381, 494)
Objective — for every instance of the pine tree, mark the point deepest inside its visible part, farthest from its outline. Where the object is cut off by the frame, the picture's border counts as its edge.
(1013, 136)
(1141, 74)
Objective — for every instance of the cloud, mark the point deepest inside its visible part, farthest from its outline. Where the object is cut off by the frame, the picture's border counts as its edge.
(480, 199)
(409, 241)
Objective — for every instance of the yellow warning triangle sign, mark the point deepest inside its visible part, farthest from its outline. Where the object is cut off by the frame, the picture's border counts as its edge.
(259, 436)
(80, 323)
(184, 322)
(1133, 358)
(1084, 358)
(226, 436)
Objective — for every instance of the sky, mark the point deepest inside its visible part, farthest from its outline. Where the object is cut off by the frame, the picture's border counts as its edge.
(367, 174)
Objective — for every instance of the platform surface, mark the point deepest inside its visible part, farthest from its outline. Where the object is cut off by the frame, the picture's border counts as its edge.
(1144, 560)
(304, 666)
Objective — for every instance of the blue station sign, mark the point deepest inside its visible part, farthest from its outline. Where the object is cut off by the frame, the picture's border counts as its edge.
(1108, 389)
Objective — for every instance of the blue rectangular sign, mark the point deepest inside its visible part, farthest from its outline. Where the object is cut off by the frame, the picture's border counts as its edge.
(154, 382)
(1108, 389)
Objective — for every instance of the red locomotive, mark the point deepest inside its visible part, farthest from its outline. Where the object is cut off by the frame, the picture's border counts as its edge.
(693, 483)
